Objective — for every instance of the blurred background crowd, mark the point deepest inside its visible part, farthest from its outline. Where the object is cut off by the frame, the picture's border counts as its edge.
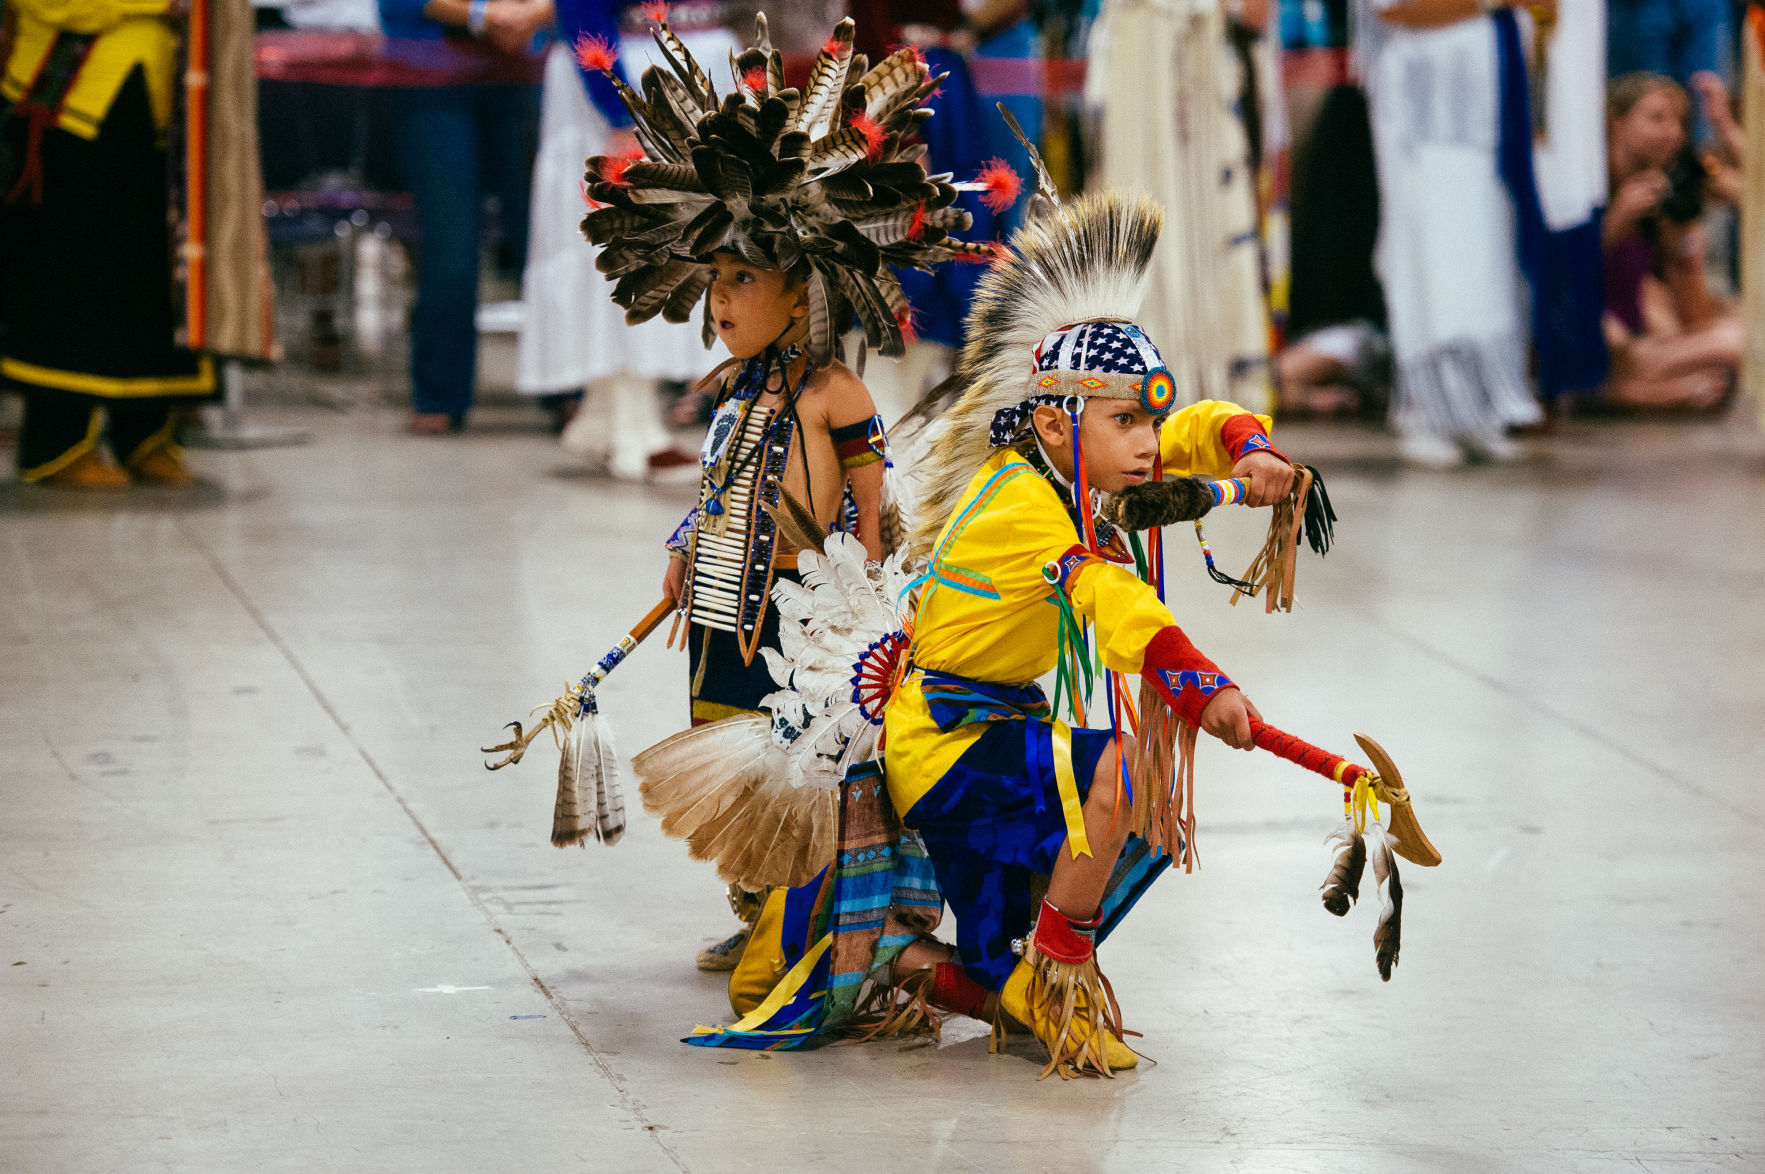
(1462, 220)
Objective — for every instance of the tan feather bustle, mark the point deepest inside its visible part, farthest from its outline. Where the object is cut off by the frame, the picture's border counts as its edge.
(1085, 260)
(721, 787)
(823, 177)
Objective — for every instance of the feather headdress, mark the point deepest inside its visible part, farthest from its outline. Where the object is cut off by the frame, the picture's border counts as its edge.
(1077, 262)
(820, 181)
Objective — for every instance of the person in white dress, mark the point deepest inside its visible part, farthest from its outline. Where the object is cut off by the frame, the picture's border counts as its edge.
(573, 338)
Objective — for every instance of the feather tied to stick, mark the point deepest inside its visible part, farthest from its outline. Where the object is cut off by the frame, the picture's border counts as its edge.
(589, 802)
(568, 823)
(1343, 886)
(1388, 934)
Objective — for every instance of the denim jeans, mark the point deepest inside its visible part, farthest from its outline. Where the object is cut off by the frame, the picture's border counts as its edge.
(453, 146)
(1674, 37)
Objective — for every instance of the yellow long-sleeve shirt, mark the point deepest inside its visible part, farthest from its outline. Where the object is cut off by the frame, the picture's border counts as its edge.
(129, 33)
(988, 614)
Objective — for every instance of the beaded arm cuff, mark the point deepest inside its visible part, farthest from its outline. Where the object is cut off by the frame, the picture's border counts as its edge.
(1186, 679)
(677, 541)
(1243, 434)
(860, 444)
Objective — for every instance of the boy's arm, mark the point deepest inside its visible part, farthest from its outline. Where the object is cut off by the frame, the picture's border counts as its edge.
(1137, 634)
(1215, 438)
(674, 578)
(857, 435)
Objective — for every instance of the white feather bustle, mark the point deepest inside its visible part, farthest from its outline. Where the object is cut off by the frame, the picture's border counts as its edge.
(759, 796)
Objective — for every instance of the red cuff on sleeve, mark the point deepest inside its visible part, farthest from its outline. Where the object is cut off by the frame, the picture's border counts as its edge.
(1061, 571)
(1243, 434)
(1187, 679)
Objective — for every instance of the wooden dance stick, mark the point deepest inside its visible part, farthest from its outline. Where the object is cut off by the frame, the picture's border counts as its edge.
(651, 620)
(579, 700)
(1303, 753)
(1412, 843)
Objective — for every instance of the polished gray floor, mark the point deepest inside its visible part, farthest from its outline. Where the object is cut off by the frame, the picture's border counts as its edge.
(262, 908)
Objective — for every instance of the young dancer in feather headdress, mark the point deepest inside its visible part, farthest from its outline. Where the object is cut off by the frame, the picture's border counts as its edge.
(908, 715)
(783, 210)
(1067, 401)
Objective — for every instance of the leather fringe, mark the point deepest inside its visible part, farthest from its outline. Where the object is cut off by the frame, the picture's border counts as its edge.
(897, 1010)
(1272, 570)
(1066, 996)
(1164, 774)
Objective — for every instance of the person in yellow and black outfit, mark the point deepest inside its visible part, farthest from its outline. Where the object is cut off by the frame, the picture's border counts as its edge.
(88, 319)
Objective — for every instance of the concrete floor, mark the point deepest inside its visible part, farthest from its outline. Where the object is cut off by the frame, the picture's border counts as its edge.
(262, 908)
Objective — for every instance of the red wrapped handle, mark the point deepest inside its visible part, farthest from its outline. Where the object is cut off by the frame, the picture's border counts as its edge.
(1301, 753)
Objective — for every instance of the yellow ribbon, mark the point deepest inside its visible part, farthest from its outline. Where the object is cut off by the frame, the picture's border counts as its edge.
(1364, 799)
(1069, 789)
(787, 989)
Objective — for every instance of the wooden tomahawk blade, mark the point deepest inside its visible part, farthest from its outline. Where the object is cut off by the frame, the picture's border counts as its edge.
(1412, 842)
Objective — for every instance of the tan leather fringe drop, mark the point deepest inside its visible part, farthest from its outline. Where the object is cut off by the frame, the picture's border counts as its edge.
(886, 1014)
(1164, 776)
(1272, 570)
(1079, 1005)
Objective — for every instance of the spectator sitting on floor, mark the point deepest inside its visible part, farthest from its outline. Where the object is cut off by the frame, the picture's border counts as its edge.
(1675, 343)
(1339, 370)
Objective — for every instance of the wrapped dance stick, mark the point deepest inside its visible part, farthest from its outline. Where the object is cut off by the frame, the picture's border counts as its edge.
(1305, 509)
(589, 802)
(1412, 843)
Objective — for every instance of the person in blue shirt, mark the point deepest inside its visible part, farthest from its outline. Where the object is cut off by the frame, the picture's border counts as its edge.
(469, 135)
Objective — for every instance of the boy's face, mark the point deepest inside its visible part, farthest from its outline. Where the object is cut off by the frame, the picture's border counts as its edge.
(753, 308)
(1120, 439)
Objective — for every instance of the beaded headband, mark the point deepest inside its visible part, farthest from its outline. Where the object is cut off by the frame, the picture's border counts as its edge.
(1106, 358)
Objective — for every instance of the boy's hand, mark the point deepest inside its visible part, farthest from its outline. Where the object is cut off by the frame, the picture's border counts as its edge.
(1228, 716)
(1270, 477)
(674, 578)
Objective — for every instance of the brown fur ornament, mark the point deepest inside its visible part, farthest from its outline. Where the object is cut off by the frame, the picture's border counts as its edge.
(1159, 503)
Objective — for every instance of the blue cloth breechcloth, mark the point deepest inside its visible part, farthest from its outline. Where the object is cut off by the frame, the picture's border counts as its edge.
(990, 825)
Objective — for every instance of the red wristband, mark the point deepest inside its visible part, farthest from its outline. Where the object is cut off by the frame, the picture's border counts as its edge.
(1243, 434)
(1187, 679)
